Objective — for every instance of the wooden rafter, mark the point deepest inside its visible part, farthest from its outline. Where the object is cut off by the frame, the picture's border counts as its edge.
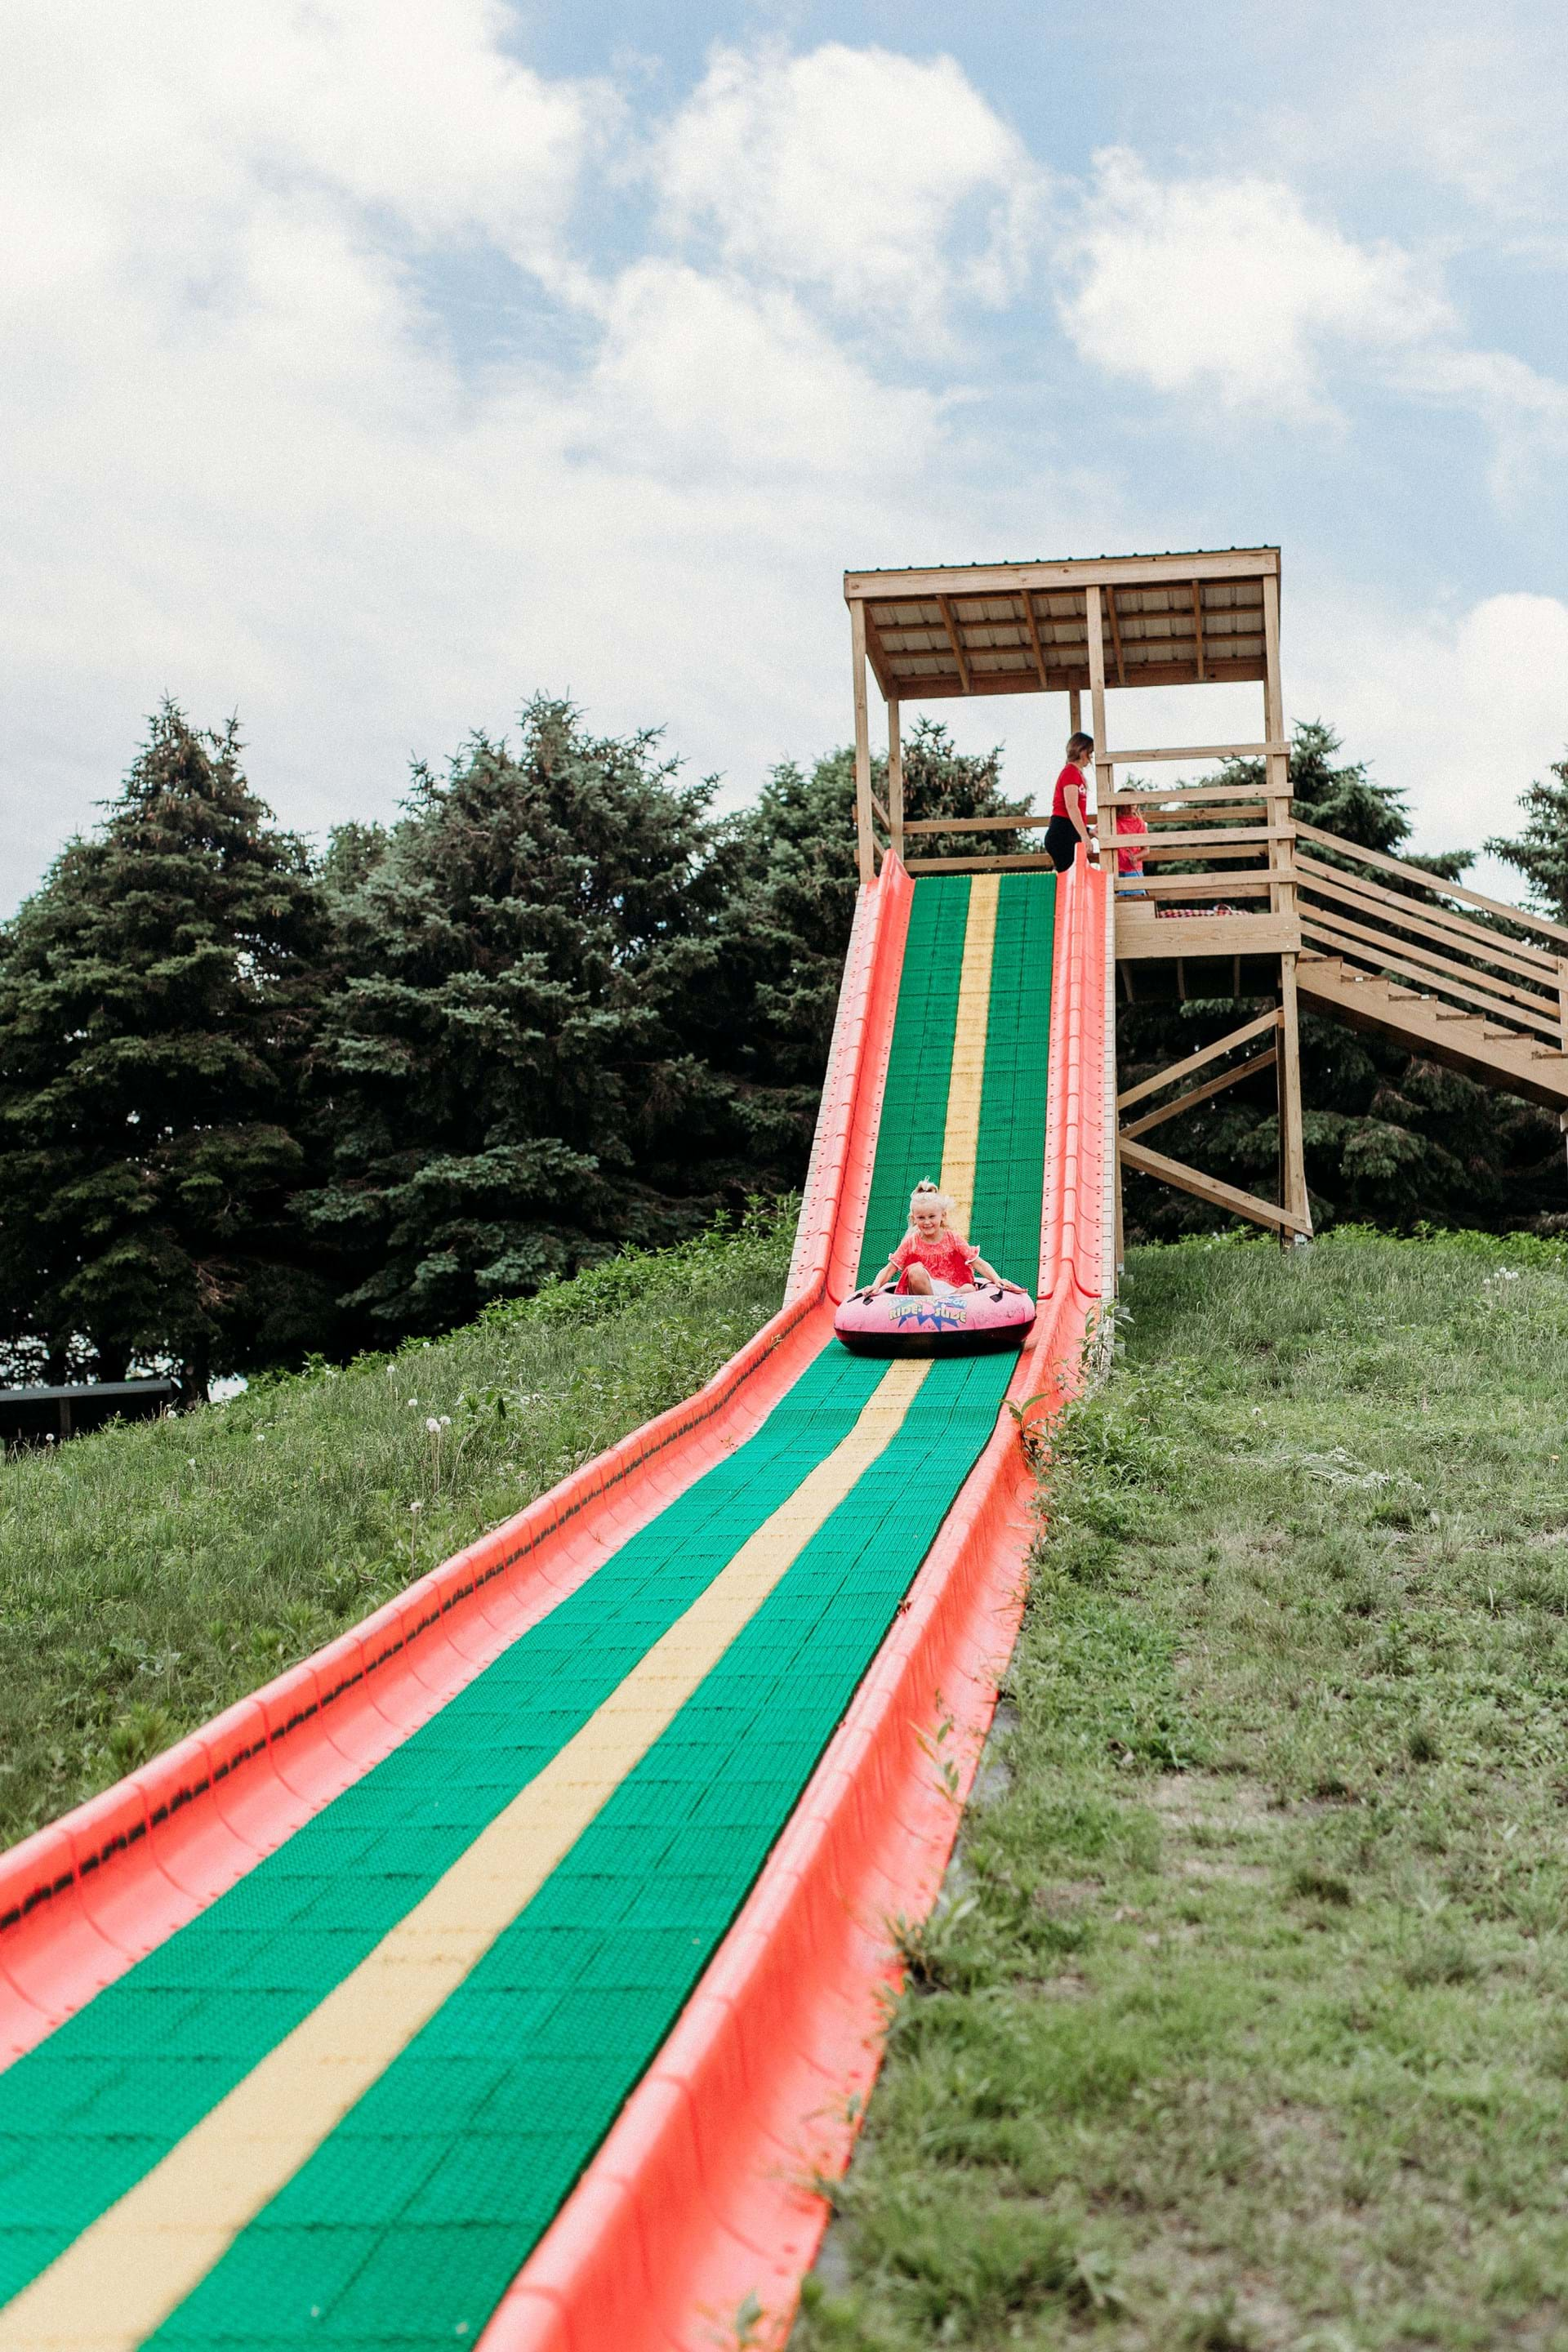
(1115, 636)
(1198, 623)
(955, 639)
(1028, 602)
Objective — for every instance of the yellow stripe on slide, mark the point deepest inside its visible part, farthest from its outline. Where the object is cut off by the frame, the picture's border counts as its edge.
(961, 1141)
(123, 2276)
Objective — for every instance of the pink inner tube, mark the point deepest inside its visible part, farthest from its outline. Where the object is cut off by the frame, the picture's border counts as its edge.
(979, 1321)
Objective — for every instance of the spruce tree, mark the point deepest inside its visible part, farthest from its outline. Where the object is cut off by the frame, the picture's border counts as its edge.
(156, 1003)
(788, 927)
(1541, 852)
(510, 1077)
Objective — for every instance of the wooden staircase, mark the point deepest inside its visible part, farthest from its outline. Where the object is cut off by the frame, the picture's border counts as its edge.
(1497, 1055)
(1486, 996)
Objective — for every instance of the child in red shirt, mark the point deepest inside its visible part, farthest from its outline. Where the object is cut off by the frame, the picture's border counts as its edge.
(931, 1258)
(1130, 861)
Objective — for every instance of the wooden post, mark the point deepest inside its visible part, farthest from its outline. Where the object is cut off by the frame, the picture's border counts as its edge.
(894, 781)
(1283, 900)
(1075, 712)
(1276, 764)
(1104, 774)
(866, 839)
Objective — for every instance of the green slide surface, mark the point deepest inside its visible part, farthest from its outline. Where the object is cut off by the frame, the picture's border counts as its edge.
(405, 2225)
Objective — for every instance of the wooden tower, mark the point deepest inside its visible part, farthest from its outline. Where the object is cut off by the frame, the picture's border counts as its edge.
(1226, 923)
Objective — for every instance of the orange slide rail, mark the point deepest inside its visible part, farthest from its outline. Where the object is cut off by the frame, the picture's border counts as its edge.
(84, 1898)
(697, 2216)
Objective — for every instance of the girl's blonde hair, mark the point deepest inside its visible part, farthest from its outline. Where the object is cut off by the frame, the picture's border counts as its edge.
(926, 1195)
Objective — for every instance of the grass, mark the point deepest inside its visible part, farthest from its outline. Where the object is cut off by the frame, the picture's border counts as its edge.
(1242, 2024)
(152, 1574)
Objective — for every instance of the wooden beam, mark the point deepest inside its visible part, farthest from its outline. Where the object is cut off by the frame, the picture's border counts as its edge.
(1029, 604)
(1200, 937)
(1072, 572)
(955, 639)
(878, 656)
(924, 688)
(1195, 885)
(973, 823)
(881, 811)
(1196, 1095)
(1104, 774)
(1170, 838)
(895, 779)
(1176, 1173)
(1075, 712)
(866, 843)
(1433, 882)
(1287, 1103)
(1181, 796)
(1115, 636)
(1242, 1036)
(1031, 862)
(1198, 625)
(1204, 751)
(1276, 762)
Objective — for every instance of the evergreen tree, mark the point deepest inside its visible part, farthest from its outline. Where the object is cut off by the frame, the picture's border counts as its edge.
(787, 926)
(1541, 852)
(1391, 1138)
(512, 1075)
(156, 1003)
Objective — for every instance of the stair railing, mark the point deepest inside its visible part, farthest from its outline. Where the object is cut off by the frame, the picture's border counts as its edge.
(1498, 966)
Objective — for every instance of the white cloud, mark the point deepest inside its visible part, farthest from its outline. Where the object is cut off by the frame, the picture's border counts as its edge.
(1460, 709)
(1229, 288)
(244, 465)
(885, 182)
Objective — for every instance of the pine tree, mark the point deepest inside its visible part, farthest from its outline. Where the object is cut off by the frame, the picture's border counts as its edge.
(1391, 1139)
(511, 1076)
(156, 1003)
(787, 928)
(1541, 852)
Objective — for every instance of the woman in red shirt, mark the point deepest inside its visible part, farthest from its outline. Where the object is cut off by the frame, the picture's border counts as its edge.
(931, 1257)
(1070, 815)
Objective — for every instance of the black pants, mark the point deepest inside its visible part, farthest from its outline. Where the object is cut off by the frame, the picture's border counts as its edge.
(1061, 843)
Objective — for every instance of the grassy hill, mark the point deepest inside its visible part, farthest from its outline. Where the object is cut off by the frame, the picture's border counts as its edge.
(1242, 2022)
(152, 1574)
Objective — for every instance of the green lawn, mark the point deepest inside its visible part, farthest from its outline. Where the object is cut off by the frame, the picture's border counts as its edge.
(1243, 2023)
(151, 1575)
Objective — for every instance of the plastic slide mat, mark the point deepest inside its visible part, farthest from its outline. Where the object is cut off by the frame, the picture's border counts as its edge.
(507, 1973)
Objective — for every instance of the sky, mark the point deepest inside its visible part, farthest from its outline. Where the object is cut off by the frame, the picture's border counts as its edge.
(370, 366)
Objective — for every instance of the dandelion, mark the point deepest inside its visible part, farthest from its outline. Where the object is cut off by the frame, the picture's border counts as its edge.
(412, 1399)
(432, 1424)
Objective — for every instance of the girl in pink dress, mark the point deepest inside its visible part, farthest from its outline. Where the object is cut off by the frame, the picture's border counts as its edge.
(931, 1258)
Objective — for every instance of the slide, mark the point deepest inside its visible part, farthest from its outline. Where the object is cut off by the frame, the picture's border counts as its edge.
(506, 1973)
